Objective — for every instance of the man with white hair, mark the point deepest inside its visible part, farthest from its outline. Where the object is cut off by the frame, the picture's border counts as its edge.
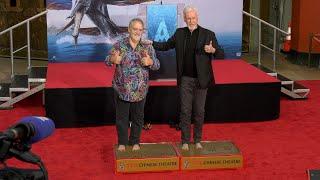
(133, 60)
(195, 47)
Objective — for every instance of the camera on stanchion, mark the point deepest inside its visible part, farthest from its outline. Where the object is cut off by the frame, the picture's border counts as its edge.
(16, 141)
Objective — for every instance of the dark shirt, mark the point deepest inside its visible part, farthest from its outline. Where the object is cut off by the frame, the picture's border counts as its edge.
(189, 63)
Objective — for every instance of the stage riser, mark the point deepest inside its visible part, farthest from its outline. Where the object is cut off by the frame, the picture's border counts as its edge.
(166, 156)
(225, 102)
(216, 162)
(147, 165)
(243, 102)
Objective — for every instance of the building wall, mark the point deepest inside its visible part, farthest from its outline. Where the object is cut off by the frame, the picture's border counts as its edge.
(275, 12)
(254, 34)
(280, 16)
(10, 16)
(305, 21)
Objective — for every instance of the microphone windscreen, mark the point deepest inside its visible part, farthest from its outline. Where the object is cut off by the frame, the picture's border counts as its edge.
(43, 127)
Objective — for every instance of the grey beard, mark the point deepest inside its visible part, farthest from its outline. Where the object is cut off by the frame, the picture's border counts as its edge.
(192, 28)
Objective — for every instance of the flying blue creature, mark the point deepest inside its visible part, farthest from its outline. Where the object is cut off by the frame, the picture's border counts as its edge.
(97, 11)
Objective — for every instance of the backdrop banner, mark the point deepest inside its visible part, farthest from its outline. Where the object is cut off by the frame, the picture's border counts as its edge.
(85, 30)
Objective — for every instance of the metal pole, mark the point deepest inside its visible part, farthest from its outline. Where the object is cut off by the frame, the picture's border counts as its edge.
(23, 22)
(260, 39)
(259, 45)
(266, 23)
(11, 52)
(274, 49)
(28, 41)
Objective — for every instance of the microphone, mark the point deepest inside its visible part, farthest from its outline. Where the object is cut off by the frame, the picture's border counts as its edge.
(43, 127)
(31, 129)
(16, 142)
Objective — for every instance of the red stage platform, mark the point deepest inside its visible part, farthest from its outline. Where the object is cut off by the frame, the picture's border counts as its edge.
(96, 74)
(80, 94)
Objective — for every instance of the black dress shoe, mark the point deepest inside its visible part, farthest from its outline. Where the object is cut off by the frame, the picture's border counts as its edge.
(178, 128)
(172, 125)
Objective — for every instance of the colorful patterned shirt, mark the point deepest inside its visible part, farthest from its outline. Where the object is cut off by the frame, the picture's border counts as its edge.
(131, 78)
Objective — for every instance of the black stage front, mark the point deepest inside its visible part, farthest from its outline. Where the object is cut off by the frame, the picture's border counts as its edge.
(246, 100)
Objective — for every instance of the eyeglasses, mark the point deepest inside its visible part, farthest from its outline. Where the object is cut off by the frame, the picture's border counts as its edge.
(137, 29)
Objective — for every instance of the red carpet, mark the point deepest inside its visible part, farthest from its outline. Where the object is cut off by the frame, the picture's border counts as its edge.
(96, 74)
(275, 150)
(237, 72)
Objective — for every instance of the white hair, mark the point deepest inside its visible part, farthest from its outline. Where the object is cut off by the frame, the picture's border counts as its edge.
(189, 8)
(136, 20)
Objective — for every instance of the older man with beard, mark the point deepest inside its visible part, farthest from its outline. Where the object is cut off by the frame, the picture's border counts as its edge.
(133, 61)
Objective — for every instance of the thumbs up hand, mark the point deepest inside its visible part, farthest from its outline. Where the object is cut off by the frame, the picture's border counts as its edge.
(146, 42)
(209, 48)
(115, 57)
(146, 60)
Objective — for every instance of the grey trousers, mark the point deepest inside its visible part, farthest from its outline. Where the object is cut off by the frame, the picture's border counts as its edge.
(192, 100)
(124, 110)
